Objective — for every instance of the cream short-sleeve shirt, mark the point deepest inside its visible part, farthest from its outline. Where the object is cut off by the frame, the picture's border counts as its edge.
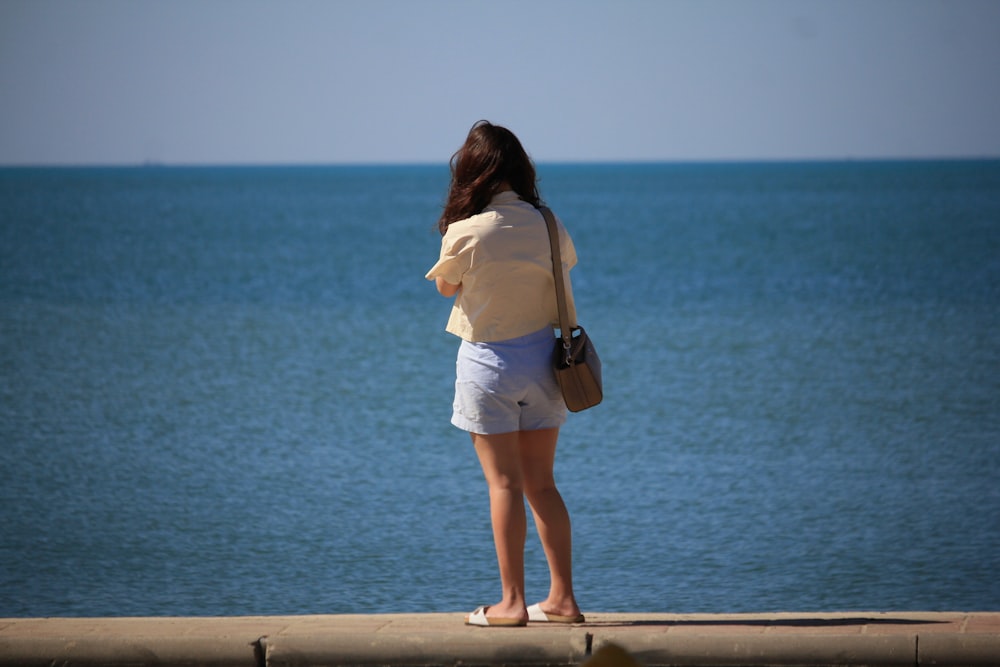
(502, 260)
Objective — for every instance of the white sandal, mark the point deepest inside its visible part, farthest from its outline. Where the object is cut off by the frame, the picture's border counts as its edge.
(536, 614)
(478, 617)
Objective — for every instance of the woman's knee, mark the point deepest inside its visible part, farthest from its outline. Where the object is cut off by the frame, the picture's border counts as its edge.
(506, 483)
(538, 491)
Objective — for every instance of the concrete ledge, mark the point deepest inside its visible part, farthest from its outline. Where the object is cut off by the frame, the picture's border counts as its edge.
(131, 651)
(735, 650)
(511, 646)
(422, 640)
(970, 650)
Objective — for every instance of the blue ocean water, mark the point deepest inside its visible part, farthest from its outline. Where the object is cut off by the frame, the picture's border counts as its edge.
(226, 391)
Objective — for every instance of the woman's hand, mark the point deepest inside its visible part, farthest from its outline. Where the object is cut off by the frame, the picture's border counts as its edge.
(445, 287)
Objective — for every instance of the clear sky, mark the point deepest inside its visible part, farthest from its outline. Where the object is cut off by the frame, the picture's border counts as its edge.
(384, 81)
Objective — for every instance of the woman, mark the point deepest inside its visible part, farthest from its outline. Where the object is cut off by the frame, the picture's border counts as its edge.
(495, 257)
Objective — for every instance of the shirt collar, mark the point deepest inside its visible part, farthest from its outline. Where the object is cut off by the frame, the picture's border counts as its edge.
(505, 197)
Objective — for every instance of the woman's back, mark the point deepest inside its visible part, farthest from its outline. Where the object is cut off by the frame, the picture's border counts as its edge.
(503, 261)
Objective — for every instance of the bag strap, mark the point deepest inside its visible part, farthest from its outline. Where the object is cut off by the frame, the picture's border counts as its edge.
(557, 273)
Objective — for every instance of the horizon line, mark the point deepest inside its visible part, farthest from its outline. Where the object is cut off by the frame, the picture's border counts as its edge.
(157, 164)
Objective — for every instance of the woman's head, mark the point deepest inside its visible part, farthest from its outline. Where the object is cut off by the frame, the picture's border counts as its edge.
(490, 157)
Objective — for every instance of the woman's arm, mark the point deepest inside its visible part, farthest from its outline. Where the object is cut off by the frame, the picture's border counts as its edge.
(445, 287)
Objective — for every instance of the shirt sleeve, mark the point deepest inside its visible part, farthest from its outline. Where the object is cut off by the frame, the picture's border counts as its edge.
(455, 259)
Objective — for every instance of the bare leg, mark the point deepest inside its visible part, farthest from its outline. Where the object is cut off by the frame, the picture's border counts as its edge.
(538, 452)
(499, 457)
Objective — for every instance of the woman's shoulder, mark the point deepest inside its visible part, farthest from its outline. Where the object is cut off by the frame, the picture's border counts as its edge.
(475, 224)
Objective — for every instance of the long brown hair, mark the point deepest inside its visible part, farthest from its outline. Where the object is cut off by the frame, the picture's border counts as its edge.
(490, 156)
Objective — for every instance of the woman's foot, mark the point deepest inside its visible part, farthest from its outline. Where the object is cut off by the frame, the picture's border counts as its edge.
(543, 613)
(491, 617)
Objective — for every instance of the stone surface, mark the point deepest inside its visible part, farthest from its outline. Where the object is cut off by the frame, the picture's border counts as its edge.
(744, 640)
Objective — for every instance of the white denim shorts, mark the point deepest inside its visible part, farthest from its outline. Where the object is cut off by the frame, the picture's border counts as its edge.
(508, 386)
